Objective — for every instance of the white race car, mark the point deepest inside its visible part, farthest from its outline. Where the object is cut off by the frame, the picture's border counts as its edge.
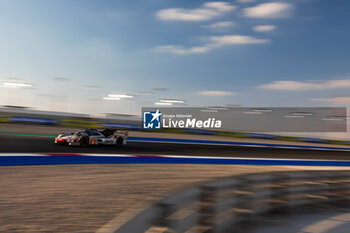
(86, 137)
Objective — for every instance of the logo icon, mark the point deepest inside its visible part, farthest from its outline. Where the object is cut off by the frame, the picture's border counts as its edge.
(152, 120)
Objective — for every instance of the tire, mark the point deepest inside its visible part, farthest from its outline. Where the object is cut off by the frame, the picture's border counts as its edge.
(120, 142)
(84, 141)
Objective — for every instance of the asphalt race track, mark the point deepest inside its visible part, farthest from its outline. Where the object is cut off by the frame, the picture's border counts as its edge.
(30, 144)
(84, 197)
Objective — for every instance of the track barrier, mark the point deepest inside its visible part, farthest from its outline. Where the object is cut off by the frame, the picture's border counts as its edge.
(226, 205)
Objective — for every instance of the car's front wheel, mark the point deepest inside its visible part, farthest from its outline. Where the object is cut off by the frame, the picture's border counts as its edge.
(84, 141)
(120, 142)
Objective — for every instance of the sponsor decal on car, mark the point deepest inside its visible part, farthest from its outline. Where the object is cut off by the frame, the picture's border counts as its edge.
(93, 141)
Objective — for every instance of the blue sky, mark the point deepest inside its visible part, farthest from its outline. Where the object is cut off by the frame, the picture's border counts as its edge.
(252, 53)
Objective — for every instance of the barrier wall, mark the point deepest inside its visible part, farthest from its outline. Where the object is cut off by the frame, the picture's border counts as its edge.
(226, 204)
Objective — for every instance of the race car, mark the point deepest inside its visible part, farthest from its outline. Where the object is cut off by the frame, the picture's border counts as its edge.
(86, 137)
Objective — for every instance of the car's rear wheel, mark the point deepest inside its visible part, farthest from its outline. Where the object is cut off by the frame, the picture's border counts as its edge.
(120, 142)
(84, 141)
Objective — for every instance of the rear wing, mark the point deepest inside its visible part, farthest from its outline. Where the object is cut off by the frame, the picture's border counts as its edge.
(122, 132)
(115, 132)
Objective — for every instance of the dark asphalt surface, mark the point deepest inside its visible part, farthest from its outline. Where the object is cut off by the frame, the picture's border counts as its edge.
(29, 144)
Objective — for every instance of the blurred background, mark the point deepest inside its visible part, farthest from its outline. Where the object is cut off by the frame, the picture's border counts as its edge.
(98, 60)
(66, 65)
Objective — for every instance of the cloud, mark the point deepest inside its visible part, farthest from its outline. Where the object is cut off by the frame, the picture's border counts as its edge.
(177, 49)
(334, 100)
(264, 28)
(160, 89)
(306, 86)
(215, 93)
(207, 11)
(213, 42)
(219, 41)
(269, 10)
(222, 24)
(246, 1)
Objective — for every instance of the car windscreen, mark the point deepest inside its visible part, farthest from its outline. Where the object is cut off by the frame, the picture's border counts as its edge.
(78, 134)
